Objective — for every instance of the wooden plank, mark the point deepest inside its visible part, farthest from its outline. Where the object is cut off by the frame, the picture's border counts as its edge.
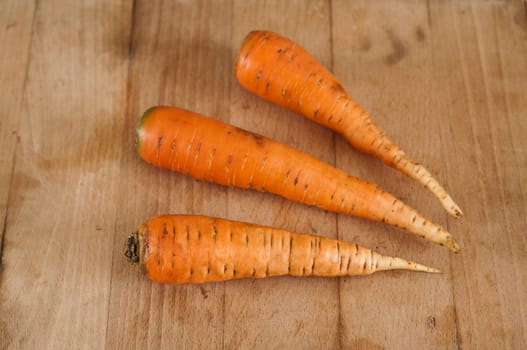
(180, 56)
(60, 227)
(282, 312)
(16, 19)
(381, 53)
(480, 49)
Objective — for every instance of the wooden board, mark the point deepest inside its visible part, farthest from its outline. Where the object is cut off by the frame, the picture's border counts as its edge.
(446, 79)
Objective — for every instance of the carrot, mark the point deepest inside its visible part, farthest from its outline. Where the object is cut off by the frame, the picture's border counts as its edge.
(199, 249)
(282, 72)
(210, 150)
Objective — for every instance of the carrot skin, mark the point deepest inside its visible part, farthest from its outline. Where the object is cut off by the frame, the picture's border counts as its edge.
(210, 150)
(182, 249)
(280, 71)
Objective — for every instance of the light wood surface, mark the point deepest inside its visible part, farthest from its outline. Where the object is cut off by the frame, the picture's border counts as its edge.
(446, 79)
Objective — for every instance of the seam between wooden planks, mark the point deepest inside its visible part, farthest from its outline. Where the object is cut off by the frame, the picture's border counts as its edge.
(428, 14)
(127, 99)
(340, 325)
(4, 229)
(454, 305)
(447, 217)
(233, 54)
(470, 114)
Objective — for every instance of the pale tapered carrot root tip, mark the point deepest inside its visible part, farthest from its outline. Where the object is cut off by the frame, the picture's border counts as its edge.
(419, 173)
(395, 263)
(452, 244)
(451, 207)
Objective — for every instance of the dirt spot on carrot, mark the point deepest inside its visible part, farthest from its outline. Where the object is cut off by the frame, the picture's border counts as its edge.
(338, 88)
(259, 139)
(399, 50)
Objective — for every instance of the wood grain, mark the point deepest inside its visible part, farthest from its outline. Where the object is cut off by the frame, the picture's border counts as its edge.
(56, 268)
(16, 20)
(488, 277)
(446, 79)
(382, 55)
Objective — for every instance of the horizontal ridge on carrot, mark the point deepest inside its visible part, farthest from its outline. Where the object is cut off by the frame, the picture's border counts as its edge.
(210, 150)
(183, 249)
(281, 71)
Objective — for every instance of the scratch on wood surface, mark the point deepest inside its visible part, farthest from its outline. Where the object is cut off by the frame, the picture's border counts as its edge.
(130, 34)
(4, 229)
(456, 316)
(331, 46)
(340, 324)
(428, 13)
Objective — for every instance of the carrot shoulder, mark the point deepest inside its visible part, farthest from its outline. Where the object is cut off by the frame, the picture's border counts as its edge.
(184, 249)
(281, 71)
(210, 150)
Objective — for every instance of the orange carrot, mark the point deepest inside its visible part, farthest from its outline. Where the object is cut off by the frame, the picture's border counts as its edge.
(199, 249)
(211, 150)
(282, 72)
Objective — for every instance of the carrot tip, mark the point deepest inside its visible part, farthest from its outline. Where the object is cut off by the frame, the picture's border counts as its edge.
(451, 207)
(424, 268)
(394, 263)
(452, 244)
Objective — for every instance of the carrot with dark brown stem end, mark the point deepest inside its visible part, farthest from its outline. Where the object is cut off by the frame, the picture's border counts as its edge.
(184, 249)
(210, 150)
(281, 71)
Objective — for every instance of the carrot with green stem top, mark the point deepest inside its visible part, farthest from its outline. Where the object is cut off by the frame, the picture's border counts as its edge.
(280, 71)
(208, 149)
(184, 249)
